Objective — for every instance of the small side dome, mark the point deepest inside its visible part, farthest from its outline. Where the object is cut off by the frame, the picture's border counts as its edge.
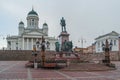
(21, 23)
(45, 24)
(33, 13)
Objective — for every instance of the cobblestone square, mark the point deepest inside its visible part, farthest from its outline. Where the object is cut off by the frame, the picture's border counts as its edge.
(16, 70)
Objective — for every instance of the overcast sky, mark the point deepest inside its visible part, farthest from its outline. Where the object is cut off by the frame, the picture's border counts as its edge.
(85, 19)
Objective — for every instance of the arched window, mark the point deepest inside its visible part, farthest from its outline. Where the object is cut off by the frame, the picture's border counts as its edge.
(32, 21)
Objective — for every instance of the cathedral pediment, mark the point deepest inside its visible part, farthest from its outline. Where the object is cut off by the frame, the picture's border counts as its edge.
(38, 33)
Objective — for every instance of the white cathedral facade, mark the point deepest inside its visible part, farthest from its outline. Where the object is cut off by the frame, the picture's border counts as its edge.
(30, 35)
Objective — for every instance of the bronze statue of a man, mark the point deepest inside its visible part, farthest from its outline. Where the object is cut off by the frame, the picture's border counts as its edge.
(63, 24)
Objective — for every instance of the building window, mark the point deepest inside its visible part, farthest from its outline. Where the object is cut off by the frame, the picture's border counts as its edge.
(101, 42)
(98, 44)
(32, 21)
(25, 39)
(16, 48)
(111, 41)
(35, 23)
(30, 40)
(114, 42)
(9, 43)
(98, 49)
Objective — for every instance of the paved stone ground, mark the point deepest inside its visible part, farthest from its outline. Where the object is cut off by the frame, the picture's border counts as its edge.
(16, 70)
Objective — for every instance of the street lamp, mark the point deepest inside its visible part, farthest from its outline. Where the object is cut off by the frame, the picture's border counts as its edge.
(48, 44)
(107, 47)
(34, 53)
(38, 45)
(42, 46)
(43, 51)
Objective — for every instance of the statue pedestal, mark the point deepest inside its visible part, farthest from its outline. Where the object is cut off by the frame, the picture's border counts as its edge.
(64, 36)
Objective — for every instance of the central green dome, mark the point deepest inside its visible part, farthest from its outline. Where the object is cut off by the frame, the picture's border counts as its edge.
(32, 12)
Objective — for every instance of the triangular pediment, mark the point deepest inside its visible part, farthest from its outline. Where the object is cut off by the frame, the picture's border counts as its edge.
(34, 33)
(113, 33)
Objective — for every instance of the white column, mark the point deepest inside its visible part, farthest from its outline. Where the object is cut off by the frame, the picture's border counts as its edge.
(23, 43)
(37, 39)
(27, 44)
(32, 43)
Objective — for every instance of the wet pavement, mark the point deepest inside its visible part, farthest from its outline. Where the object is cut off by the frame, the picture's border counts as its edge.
(16, 70)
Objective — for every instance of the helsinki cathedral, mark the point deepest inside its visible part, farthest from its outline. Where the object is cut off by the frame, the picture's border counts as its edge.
(30, 35)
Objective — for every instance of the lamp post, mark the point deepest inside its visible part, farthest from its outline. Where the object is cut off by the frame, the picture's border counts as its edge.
(48, 44)
(43, 51)
(34, 53)
(37, 45)
(107, 47)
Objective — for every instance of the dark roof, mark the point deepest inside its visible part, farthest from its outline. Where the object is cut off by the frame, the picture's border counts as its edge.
(113, 33)
(21, 22)
(45, 24)
(32, 12)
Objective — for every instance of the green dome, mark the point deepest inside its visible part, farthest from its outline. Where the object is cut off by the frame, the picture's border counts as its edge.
(45, 24)
(32, 12)
(21, 22)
